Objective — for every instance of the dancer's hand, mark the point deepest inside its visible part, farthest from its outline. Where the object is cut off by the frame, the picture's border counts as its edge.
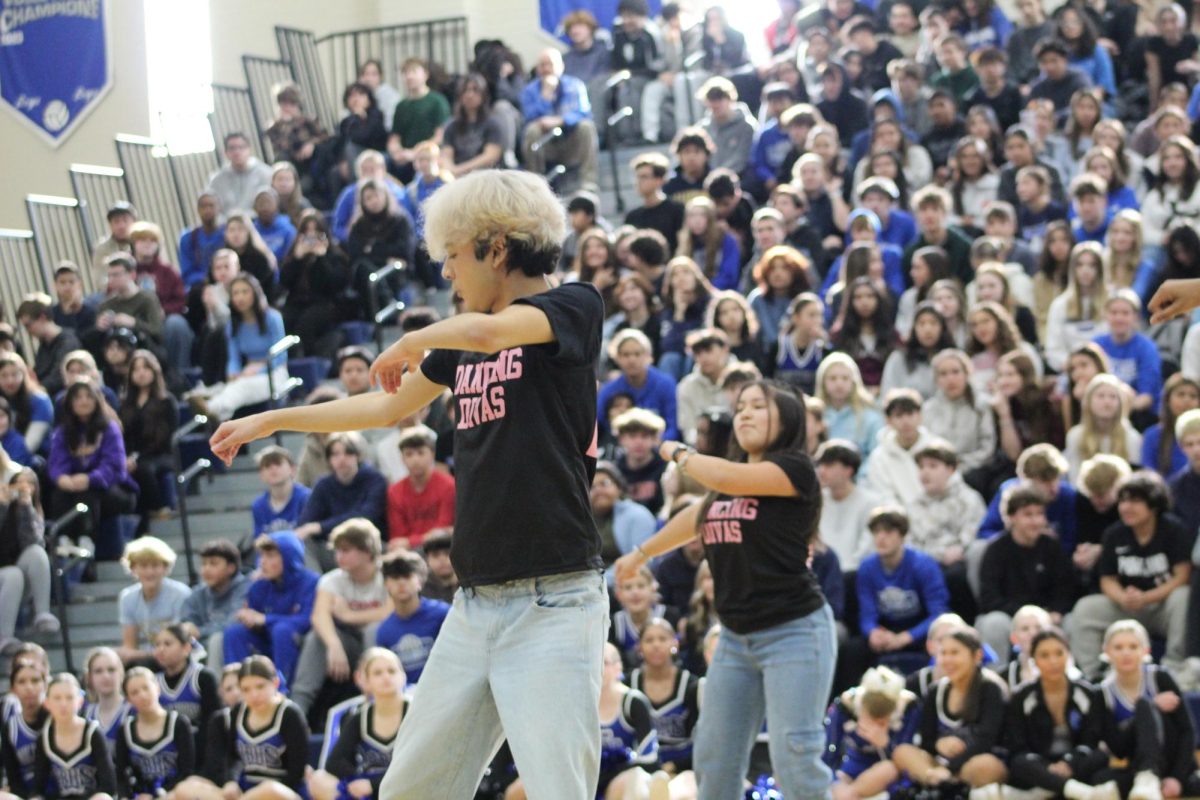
(1166, 701)
(1173, 299)
(392, 364)
(626, 567)
(230, 437)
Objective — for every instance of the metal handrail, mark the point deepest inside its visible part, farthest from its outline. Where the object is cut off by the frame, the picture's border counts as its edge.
(620, 114)
(183, 479)
(688, 63)
(383, 315)
(276, 350)
(60, 575)
(546, 138)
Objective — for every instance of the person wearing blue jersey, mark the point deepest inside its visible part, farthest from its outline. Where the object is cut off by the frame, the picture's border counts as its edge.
(413, 626)
(1132, 355)
(197, 245)
(103, 674)
(278, 508)
(20, 727)
(650, 387)
(366, 734)
(864, 726)
(155, 749)
(523, 641)
(900, 590)
(279, 605)
(72, 758)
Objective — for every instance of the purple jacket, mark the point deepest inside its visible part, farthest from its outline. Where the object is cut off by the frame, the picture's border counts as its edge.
(105, 466)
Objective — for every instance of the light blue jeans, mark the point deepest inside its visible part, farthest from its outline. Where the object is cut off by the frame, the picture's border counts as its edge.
(521, 660)
(782, 674)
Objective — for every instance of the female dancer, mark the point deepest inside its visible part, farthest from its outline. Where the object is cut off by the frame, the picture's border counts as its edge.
(521, 362)
(778, 645)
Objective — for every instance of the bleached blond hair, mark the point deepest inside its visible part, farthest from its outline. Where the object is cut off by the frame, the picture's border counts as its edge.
(516, 207)
(148, 548)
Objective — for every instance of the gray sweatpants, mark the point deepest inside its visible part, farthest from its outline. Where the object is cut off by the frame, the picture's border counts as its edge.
(1094, 613)
(12, 591)
(311, 667)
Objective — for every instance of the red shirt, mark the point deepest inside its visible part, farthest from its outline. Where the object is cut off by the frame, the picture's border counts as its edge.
(412, 514)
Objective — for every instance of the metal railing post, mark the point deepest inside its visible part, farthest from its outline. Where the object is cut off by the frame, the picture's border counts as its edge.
(621, 114)
(60, 577)
(185, 526)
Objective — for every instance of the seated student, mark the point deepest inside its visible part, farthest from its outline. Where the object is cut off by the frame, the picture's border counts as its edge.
(212, 605)
(900, 590)
(415, 620)
(1026, 624)
(1058, 82)
(25, 717)
(863, 728)
(70, 310)
(892, 471)
(845, 506)
(280, 506)
(693, 148)
(120, 217)
(944, 517)
(155, 600)
(700, 389)
(265, 751)
(23, 548)
(155, 749)
(103, 674)
(1105, 426)
(1148, 725)
(126, 306)
(1185, 483)
(1042, 466)
(352, 489)
(911, 366)
(772, 144)
(1033, 197)
(1160, 445)
(442, 582)
(185, 685)
(1132, 355)
(932, 206)
(360, 756)
(639, 434)
(963, 716)
(279, 604)
(1054, 727)
(423, 502)
(1024, 566)
(673, 694)
(657, 212)
(1144, 571)
(639, 604)
(955, 414)
(198, 245)
(800, 344)
(353, 368)
(276, 230)
(72, 758)
(149, 417)
(1095, 512)
(651, 388)
(554, 100)
(54, 341)
(737, 212)
(623, 522)
(1089, 196)
(11, 440)
(162, 279)
(33, 409)
(850, 411)
(351, 601)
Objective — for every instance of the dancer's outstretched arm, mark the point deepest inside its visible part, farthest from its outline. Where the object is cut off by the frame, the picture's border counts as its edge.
(371, 410)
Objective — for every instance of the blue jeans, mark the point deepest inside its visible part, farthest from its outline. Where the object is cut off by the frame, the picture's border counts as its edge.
(784, 674)
(521, 660)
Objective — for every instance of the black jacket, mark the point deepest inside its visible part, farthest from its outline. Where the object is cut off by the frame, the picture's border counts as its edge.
(1029, 727)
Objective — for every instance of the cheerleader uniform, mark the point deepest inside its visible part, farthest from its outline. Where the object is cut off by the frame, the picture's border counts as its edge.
(18, 745)
(333, 726)
(1147, 737)
(981, 735)
(627, 741)
(674, 719)
(1035, 742)
(277, 752)
(847, 752)
(111, 727)
(798, 367)
(625, 635)
(193, 694)
(154, 767)
(360, 753)
(83, 773)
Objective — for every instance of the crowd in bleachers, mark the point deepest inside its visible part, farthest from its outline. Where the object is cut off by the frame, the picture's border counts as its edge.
(940, 223)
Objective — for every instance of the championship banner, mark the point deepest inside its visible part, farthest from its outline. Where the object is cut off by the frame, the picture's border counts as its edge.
(55, 64)
(605, 12)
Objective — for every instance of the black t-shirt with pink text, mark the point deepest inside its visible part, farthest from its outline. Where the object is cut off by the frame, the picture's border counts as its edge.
(758, 550)
(525, 446)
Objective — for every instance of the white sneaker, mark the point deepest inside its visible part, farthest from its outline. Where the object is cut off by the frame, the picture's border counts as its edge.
(46, 623)
(993, 791)
(660, 786)
(1146, 786)
(1106, 791)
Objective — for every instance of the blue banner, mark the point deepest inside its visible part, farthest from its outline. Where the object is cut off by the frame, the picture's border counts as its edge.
(605, 12)
(55, 64)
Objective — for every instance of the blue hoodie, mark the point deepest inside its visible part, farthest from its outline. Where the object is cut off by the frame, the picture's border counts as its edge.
(290, 599)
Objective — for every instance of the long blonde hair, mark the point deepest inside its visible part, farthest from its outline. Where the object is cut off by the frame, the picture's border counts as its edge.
(714, 236)
(1099, 289)
(1121, 270)
(860, 398)
(1090, 443)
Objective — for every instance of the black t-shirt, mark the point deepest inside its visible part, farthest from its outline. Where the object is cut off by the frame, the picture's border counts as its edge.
(525, 446)
(1148, 566)
(469, 138)
(645, 482)
(666, 218)
(758, 549)
(1169, 56)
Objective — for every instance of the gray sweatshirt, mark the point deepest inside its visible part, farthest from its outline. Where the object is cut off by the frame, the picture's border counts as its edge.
(237, 189)
(212, 612)
(733, 139)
